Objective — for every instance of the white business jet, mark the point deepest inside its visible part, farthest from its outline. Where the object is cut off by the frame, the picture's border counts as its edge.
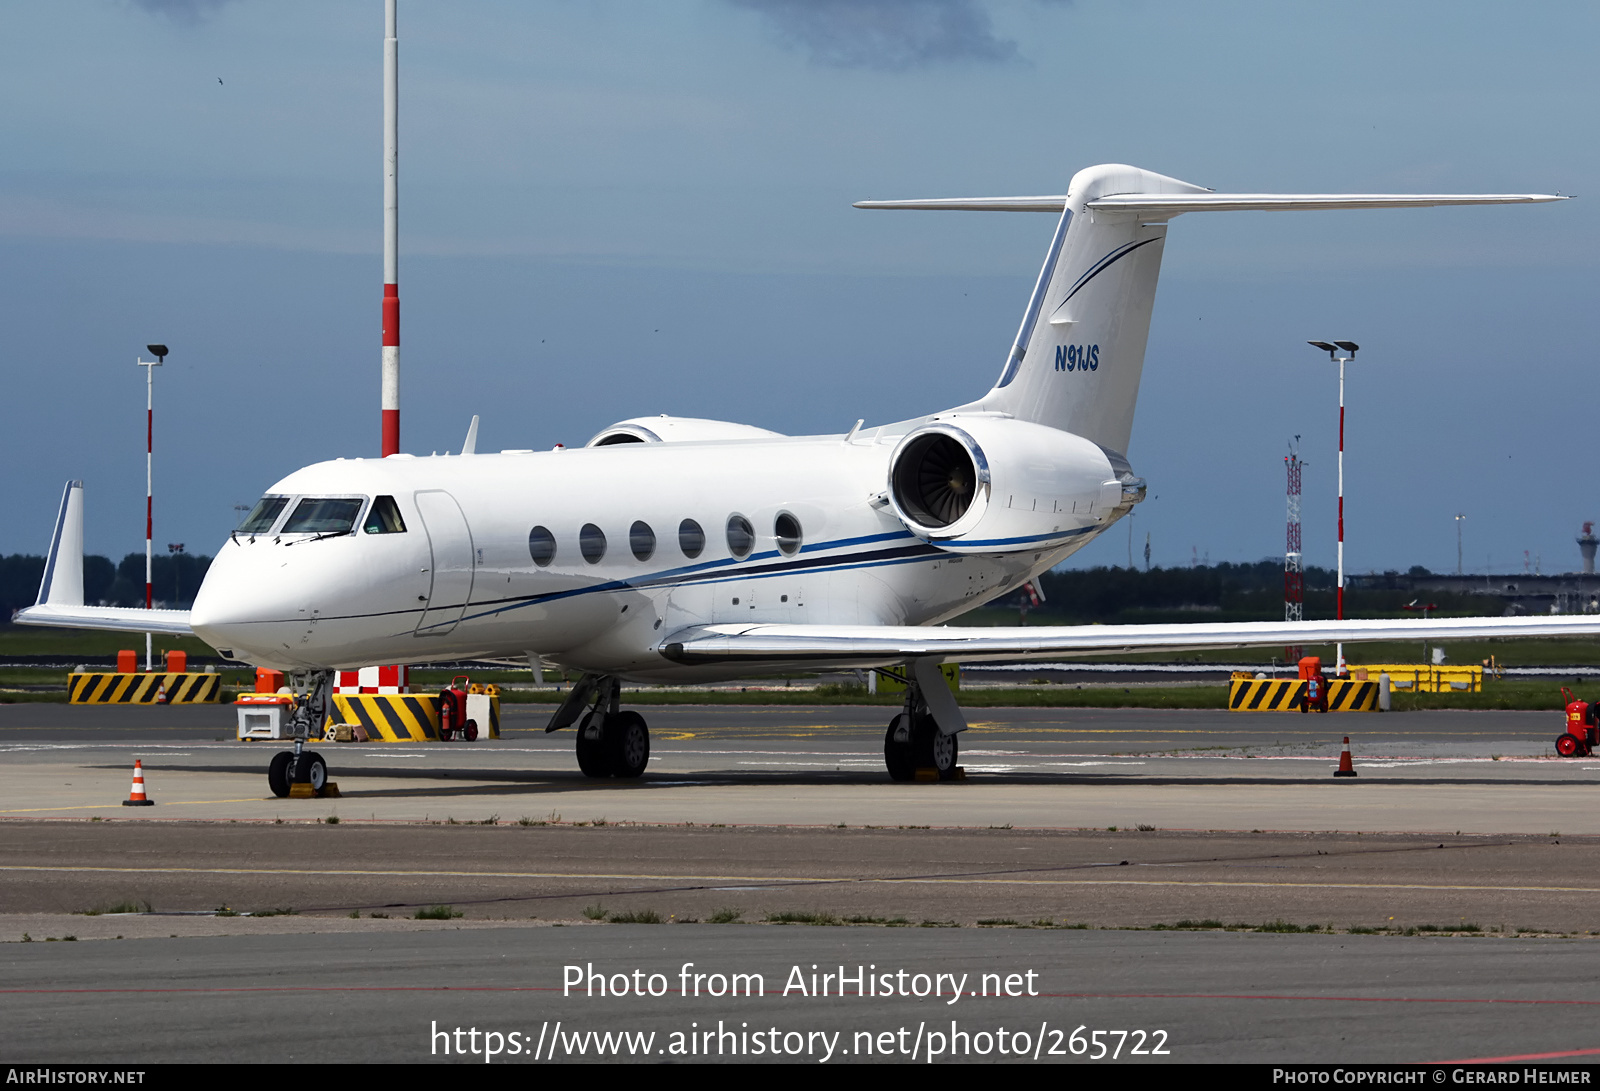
(672, 549)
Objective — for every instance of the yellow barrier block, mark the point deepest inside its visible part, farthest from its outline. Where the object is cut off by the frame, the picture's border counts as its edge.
(1425, 677)
(1284, 695)
(144, 688)
(405, 717)
(951, 672)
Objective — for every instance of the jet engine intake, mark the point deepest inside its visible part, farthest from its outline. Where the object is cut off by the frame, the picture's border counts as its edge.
(999, 485)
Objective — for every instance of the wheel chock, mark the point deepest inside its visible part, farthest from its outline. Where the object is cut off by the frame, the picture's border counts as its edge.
(330, 790)
(959, 773)
(926, 775)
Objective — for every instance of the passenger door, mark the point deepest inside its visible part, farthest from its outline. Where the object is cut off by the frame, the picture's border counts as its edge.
(452, 568)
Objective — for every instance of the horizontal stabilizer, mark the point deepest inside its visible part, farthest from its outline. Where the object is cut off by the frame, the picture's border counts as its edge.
(60, 600)
(117, 619)
(845, 644)
(1174, 204)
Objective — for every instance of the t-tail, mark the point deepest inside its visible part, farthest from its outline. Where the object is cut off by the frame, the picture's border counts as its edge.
(1079, 352)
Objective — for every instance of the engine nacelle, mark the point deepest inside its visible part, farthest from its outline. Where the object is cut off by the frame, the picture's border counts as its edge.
(998, 485)
(665, 429)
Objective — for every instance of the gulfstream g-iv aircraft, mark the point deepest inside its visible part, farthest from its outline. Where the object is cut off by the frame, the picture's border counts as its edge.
(673, 549)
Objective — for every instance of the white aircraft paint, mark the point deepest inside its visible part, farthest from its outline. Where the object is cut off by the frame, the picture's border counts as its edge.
(689, 549)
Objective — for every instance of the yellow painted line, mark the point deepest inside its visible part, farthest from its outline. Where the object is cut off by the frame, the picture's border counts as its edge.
(160, 803)
(769, 879)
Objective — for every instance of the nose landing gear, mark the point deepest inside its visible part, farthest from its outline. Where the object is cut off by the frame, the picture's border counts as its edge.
(611, 742)
(302, 766)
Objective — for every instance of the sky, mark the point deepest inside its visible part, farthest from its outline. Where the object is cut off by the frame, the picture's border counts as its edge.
(611, 209)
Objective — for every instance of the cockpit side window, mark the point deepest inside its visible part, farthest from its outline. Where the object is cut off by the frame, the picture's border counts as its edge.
(384, 517)
(323, 515)
(263, 515)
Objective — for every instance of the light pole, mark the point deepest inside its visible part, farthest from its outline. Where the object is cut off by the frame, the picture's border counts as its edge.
(1332, 350)
(176, 549)
(160, 354)
(1460, 517)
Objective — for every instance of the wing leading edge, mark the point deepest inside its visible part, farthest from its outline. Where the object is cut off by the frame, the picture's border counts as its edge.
(871, 644)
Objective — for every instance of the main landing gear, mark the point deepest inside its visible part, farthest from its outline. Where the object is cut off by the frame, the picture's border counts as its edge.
(914, 740)
(611, 742)
(302, 766)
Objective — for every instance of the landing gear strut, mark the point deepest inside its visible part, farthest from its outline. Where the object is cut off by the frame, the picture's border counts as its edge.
(302, 766)
(914, 740)
(611, 742)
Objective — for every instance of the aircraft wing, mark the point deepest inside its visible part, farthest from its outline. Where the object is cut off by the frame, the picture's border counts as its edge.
(60, 600)
(875, 644)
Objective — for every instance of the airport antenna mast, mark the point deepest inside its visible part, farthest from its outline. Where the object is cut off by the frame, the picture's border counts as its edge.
(391, 233)
(1294, 573)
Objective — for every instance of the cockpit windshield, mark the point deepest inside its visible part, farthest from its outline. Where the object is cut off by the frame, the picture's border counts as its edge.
(323, 515)
(263, 515)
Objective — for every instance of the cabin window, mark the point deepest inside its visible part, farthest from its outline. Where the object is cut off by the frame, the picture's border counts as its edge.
(691, 539)
(323, 515)
(541, 546)
(741, 535)
(786, 529)
(592, 543)
(642, 540)
(384, 517)
(263, 515)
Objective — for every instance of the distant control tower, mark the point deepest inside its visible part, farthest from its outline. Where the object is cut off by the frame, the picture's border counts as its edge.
(1587, 543)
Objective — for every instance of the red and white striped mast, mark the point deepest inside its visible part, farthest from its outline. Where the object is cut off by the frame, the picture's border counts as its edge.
(1332, 350)
(391, 233)
(160, 353)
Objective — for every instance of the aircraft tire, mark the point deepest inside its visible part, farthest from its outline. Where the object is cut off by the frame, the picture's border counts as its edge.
(932, 750)
(312, 770)
(628, 741)
(593, 757)
(278, 773)
(897, 753)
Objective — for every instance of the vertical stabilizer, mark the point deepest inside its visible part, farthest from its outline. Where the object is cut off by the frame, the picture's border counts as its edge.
(1079, 353)
(62, 584)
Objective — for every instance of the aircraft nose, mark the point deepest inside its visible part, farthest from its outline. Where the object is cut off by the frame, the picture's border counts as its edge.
(241, 603)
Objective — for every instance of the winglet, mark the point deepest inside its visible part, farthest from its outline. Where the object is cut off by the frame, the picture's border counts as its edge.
(62, 584)
(470, 445)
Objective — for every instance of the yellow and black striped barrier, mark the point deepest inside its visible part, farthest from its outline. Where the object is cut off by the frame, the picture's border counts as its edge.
(1285, 694)
(401, 717)
(152, 688)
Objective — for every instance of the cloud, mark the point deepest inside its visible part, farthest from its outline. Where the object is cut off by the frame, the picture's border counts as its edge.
(182, 11)
(889, 35)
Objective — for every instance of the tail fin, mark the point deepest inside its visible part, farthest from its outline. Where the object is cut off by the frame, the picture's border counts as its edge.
(62, 584)
(1079, 353)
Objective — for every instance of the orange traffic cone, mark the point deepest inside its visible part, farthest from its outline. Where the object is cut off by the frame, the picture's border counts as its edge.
(136, 796)
(161, 694)
(1345, 768)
